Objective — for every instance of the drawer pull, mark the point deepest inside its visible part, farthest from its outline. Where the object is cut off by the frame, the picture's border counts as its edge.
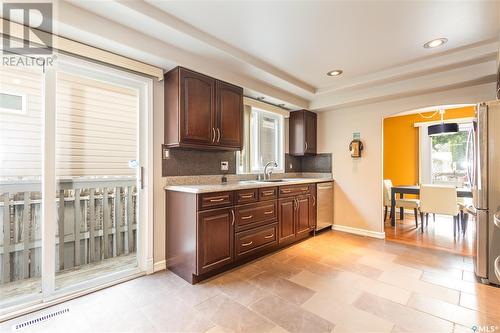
(269, 212)
(247, 244)
(286, 191)
(268, 192)
(217, 200)
(304, 189)
(246, 217)
(269, 236)
(246, 196)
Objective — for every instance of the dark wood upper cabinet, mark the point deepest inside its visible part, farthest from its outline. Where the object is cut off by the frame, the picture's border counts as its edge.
(303, 128)
(215, 239)
(229, 115)
(202, 112)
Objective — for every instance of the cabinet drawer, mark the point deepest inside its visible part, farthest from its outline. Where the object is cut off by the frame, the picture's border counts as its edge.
(215, 199)
(246, 196)
(253, 240)
(268, 193)
(250, 215)
(293, 190)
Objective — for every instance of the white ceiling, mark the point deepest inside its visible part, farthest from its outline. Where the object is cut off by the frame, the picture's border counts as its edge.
(283, 49)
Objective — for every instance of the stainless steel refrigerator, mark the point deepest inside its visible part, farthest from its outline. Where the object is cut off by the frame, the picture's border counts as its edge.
(484, 177)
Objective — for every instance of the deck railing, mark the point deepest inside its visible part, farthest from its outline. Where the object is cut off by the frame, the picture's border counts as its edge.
(97, 218)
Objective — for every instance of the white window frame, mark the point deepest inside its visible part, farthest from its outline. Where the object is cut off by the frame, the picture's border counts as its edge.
(50, 295)
(255, 143)
(424, 155)
(23, 103)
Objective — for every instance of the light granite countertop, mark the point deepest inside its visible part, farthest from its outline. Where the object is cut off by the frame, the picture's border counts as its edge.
(240, 185)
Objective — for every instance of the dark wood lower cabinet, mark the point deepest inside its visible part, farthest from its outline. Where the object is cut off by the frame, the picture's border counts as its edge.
(304, 216)
(287, 219)
(215, 239)
(212, 232)
(296, 218)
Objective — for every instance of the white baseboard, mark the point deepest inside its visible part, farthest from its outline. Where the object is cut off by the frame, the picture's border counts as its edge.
(362, 232)
(160, 266)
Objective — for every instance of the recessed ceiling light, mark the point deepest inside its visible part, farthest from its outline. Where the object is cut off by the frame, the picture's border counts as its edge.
(335, 72)
(435, 43)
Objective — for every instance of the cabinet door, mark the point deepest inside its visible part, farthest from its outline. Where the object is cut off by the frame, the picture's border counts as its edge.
(229, 115)
(304, 215)
(297, 133)
(286, 211)
(215, 239)
(197, 108)
(310, 135)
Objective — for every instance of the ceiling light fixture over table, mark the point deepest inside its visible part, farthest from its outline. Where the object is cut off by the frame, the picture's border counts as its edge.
(442, 128)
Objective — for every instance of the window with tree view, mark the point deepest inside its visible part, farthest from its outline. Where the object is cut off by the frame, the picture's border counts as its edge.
(448, 157)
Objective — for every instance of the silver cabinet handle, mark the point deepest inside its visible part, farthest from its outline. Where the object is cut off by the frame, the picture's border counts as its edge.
(247, 244)
(232, 214)
(306, 146)
(268, 192)
(295, 204)
(314, 200)
(269, 212)
(285, 190)
(246, 217)
(218, 135)
(217, 200)
(269, 236)
(246, 196)
(496, 219)
(213, 134)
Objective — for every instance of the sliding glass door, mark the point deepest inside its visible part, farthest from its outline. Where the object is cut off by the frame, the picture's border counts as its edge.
(21, 118)
(78, 138)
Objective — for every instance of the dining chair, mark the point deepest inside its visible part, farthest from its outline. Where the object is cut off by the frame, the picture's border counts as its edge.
(404, 203)
(439, 199)
(466, 209)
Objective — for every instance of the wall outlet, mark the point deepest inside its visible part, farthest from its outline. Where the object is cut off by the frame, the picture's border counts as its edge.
(166, 153)
(224, 165)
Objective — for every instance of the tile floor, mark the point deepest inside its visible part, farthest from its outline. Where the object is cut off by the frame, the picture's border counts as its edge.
(333, 282)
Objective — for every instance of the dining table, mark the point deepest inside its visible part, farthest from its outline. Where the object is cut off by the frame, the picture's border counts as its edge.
(415, 189)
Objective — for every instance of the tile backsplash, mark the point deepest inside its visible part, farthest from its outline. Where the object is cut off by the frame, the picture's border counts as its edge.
(183, 162)
(321, 163)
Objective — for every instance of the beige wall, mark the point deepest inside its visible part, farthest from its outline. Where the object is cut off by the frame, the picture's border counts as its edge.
(158, 192)
(358, 191)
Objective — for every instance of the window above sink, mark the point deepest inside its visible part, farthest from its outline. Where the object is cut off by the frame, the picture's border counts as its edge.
(263, 141)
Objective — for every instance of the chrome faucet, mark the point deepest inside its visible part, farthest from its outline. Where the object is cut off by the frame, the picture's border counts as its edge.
(267, 174)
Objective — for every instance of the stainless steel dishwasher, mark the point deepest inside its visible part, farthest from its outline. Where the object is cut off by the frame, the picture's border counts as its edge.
(324, 213)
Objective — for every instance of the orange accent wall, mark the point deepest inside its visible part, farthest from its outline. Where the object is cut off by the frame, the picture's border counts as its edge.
(401, 144)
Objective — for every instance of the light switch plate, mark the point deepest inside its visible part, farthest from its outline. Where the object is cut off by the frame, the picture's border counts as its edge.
(224, 165)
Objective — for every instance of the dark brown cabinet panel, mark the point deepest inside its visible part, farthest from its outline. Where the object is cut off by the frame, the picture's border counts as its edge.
(215, 239)
(196, 108)
(202, 112)
(304, 215)
(303, 128)
(252, 215)
(229, 115)
(246, 196)
(286, 211)
(256, 239)
(215, 200)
